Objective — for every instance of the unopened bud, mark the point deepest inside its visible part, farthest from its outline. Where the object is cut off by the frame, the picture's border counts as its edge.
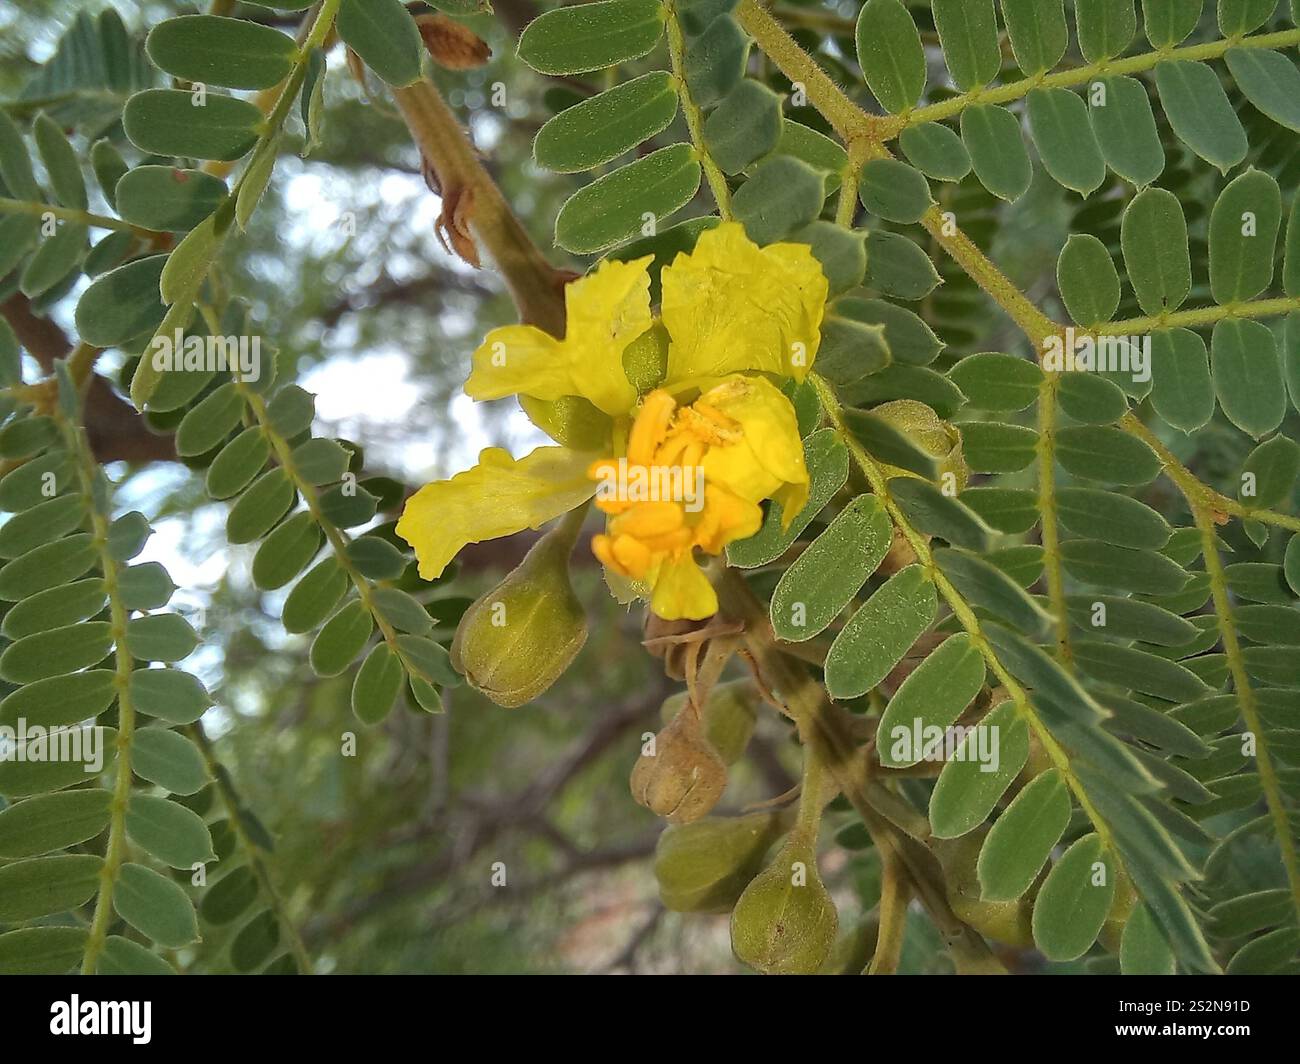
(683, 777)
(520, 637)
(704, 867)
(1008, 922)
(785, 922)
(729, 714)
(933, 435)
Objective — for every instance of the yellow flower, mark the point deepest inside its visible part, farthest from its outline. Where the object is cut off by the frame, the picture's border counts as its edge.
(716, 430)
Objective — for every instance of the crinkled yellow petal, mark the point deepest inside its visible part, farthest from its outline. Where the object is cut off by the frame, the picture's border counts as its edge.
(682, 591)
(498, 497)
(606, 311)
(730, 306)
(768, 457)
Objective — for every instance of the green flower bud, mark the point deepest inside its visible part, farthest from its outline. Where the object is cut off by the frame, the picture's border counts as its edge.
(703, 867)
(520, 637)
(785, 921)
(681, 777)
(933, 435)
(1002, 921)
(730, 712)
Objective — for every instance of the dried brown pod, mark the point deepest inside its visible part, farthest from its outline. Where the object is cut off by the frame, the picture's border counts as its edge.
(452, 45)
(682, 776)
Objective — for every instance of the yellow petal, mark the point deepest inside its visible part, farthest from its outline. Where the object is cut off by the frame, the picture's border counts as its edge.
(606, 311)
(731, 306)
(682, 591)
(498, 497)
(769, 455)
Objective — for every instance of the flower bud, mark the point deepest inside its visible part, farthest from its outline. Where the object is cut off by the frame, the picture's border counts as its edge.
(933, 435)
(785, 922)
(681, 777)
(519, 638)
(1002, 921)
(703, 867)
(729, 713)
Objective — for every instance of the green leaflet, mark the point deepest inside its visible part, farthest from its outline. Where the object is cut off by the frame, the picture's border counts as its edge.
(1169, 22)
(781, 195)
(843, 256)
(1073, 902)
(1112, 518)
(1066, 142)
(164, 198)
(1125, 126)
(61, 165)
(174, 835)
(1139, 671)
(998, 382)
(1153, 235)
(932, 697)
(52, 822)
(984, 584)
(617, 206)
(1088, 280)
(337, 645)
(1106, 454)
(1244, 16)
(170, 760)
(965, 793)
(156, 907)
(1270, 81)
(997, 150)
(1021, 839)
(383, 34)
(163, 637)
(1122, 568)
(995, 447)
(743, 128)
(573, 40)
(287, 551)
(1106, 28)
(824, 579)
(968, 32)
(936, 151)
(377, 685)
(1091, 399)
(45, 886)
(890, 54)
(1038, 32)
(1200, 112)
(934, 513)
(715, 61)
(1010, 510)
(1243, 237)
(1268, 476)
(174, 122)
(169, 694)
(880, 633)
(1248, 376)
(221, 51)
(1181, 389)
(894, 191)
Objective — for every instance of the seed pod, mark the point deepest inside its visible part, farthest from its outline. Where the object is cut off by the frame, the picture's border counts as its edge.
(785, 921)
(729, 713)
(684, 777)
(703, 867)
(1002, 921)
(520, 637)
(933, 435)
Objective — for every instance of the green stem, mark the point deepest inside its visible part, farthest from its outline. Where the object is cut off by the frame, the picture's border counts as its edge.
(234, 817)
(1081, 75)
(123, 665)
(71, 214)
(1196, 318)
(694, 118)
(1246, 699)
(893, 917)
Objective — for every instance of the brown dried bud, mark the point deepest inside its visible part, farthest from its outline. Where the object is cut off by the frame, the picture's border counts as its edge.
(452, 45)
(681, 776)
(658, 636)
